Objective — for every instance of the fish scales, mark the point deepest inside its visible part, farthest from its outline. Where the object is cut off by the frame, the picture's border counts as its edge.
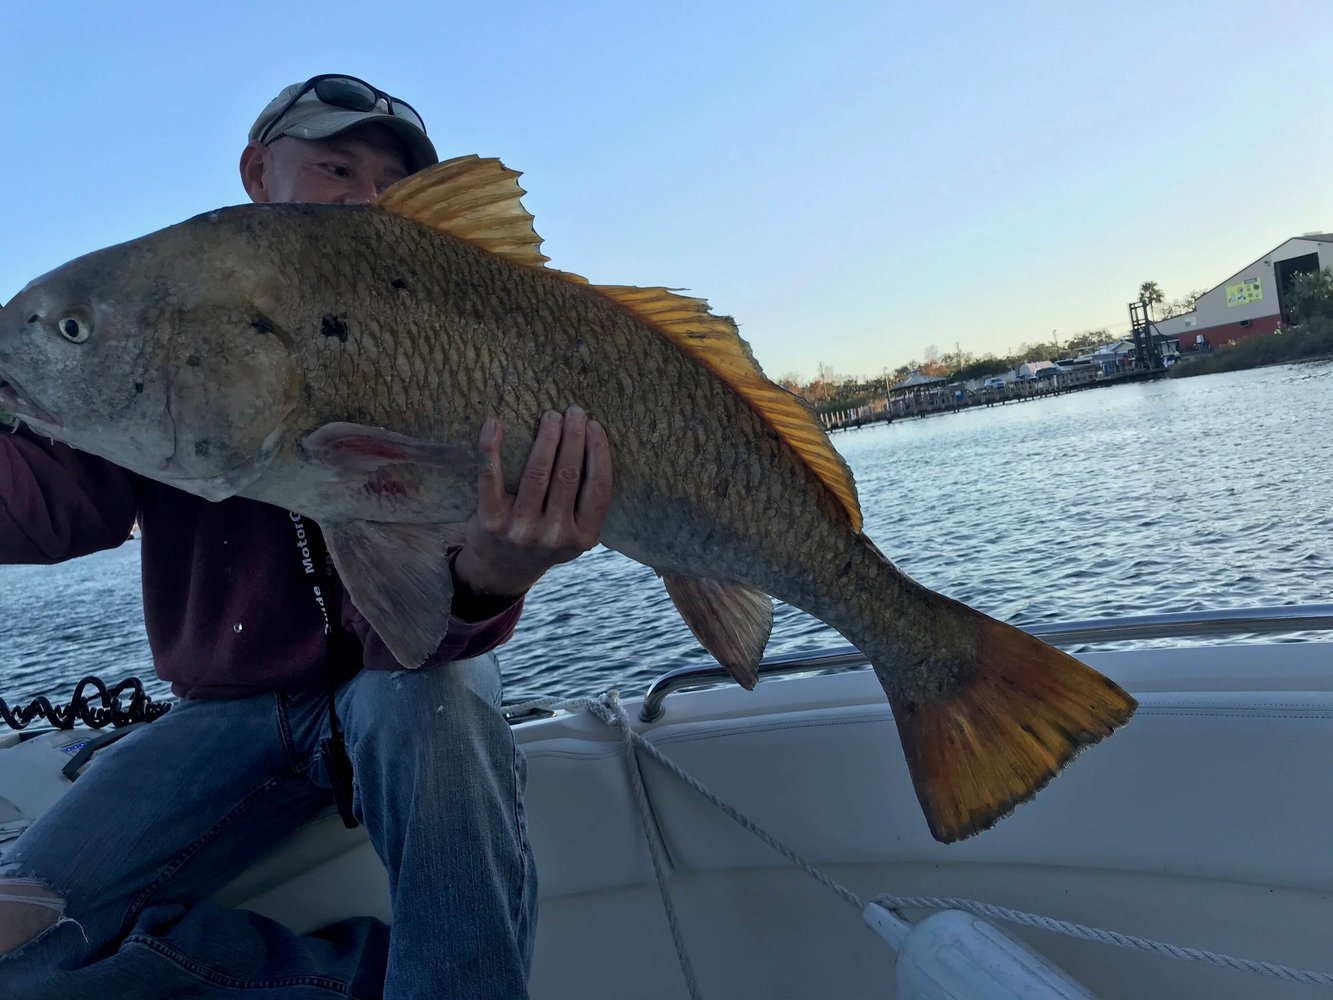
(536, 342)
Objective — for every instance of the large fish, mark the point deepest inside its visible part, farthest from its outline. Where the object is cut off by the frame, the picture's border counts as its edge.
(340, 360)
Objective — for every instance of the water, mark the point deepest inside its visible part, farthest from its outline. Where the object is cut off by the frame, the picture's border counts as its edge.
(1168, 496)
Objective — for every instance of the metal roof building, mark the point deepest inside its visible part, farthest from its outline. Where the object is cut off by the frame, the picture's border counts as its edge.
(1253, 300)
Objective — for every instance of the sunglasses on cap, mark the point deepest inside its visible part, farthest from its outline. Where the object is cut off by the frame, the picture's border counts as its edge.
(350, 94)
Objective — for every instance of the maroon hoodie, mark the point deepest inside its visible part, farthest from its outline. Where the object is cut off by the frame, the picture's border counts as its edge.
(229, 588)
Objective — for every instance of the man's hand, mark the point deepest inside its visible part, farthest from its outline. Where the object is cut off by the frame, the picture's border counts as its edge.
(563, 496)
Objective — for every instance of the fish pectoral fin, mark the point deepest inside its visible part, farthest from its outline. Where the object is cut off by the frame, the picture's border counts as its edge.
(348, 450)
(451, 536)
(398, 576)
(730, 620)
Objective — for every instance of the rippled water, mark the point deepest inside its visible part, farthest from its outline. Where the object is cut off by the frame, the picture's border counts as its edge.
(1169, 496)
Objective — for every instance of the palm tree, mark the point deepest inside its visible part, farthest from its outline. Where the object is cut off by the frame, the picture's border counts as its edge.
(1151, 295)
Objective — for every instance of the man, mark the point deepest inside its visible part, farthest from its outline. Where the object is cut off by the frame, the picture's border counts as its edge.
(106, 893)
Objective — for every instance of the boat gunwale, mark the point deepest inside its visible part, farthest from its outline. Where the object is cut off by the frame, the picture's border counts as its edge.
(1274, 620)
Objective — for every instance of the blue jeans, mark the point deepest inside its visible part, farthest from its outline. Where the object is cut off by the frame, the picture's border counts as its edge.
(174, 811)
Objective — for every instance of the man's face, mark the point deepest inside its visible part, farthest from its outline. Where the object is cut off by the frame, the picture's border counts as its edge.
(346, 169)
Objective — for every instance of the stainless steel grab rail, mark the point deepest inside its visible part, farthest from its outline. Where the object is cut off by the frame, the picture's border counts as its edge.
(1177, 625)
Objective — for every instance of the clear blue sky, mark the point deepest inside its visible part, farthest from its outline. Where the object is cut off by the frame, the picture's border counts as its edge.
(852, 181)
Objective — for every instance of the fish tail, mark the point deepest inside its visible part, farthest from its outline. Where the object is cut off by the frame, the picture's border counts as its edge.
(1001, 727)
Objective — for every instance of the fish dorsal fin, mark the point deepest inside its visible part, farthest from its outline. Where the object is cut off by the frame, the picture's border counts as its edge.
(478, 200)
(473, 199)
(715, 343)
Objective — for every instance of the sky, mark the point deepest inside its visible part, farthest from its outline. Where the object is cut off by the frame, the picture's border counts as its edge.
(853, 182)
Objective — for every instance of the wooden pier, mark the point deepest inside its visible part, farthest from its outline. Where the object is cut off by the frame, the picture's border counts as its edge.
(943, 399)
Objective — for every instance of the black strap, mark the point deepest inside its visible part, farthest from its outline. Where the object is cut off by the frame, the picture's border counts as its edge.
(338, 766)
(318, 564)
(333, 751)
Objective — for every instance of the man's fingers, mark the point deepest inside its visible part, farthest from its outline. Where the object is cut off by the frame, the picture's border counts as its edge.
(568, 471)
(594, 498)
(531, 498)
(490, 480)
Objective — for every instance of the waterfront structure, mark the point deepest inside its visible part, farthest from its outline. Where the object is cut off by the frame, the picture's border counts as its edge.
(1122, 355)
(1029, 369)
(1253, 300)
(1078, 371)
(917, 393)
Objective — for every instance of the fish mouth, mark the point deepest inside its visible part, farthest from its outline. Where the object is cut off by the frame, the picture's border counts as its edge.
(14, 402)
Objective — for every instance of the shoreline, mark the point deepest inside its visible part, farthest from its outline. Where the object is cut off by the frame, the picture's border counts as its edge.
(1298, 360)
(1306, 342)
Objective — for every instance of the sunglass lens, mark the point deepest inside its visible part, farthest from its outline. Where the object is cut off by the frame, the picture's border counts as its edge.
(408, 113)
(343, 93)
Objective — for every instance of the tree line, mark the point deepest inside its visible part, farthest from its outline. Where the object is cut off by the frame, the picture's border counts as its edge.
(830, 390)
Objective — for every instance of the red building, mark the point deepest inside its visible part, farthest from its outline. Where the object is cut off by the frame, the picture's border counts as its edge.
(1253, 300)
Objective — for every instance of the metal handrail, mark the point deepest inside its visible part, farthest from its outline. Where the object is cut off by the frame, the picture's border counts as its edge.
(1190, 624)
(1176, 625)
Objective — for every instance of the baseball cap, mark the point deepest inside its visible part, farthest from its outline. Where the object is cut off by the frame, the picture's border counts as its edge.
(332, 103)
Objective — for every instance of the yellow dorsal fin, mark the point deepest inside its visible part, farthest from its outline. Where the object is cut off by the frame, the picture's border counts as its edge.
(473, 199)
(477, 200)
(715, 343)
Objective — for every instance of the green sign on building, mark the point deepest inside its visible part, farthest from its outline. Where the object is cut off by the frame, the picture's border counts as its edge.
(1242, 292)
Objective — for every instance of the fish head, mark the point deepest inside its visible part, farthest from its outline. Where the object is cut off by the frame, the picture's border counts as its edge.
(158, 355)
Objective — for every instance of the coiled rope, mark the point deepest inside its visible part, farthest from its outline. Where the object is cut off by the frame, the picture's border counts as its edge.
(609, 710)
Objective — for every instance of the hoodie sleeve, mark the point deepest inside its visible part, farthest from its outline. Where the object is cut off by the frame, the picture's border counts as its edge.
(57, 503)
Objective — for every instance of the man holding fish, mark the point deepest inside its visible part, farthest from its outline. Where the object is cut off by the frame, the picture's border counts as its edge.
(290, 699)
(360, 364)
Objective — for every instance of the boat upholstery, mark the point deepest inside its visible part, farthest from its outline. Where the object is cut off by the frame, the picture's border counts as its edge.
(1208, 812)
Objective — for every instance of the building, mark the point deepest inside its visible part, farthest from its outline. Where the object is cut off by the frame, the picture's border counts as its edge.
(1251, 301)
(1077, 371)
(1029, 369)
(918, 392)
(1116, 358)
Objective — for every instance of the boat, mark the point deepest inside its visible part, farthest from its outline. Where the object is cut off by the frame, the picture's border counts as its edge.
(1186, 856)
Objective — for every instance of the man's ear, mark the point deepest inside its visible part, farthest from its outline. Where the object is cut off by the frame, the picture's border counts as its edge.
(254, 166)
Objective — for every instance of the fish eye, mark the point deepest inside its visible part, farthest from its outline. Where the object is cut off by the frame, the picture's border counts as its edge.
(75, 328)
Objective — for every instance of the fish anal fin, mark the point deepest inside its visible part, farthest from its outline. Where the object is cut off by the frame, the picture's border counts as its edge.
(731, 621)
(715, 342)
(398, 576)
(978, 751)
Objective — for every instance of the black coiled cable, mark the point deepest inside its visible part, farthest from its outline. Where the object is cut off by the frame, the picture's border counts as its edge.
(140, 708)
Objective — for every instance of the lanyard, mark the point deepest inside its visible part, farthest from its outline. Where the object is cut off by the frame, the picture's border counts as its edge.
(312, 548)
(317, 564)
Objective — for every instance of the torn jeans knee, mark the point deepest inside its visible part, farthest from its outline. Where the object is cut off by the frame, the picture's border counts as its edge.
(28, 909)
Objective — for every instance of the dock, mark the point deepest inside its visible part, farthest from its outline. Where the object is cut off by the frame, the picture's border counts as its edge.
(936, 400)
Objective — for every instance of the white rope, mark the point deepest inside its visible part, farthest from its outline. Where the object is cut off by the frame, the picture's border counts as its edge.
(609, 709)
(612, 713)
(1087, 933)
